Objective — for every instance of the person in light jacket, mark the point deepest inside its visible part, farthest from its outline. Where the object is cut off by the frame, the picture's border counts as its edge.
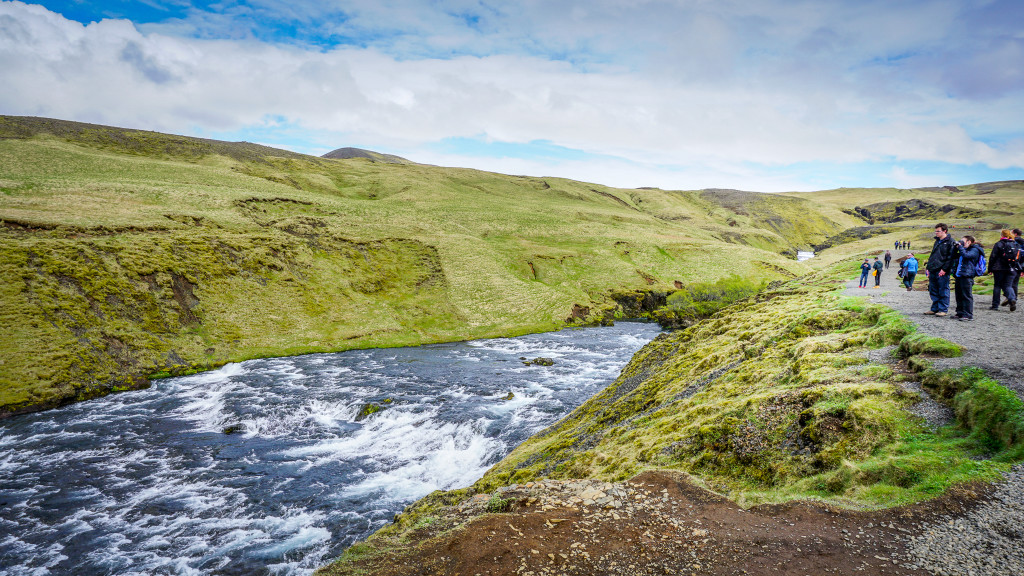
(968, 255)
(909, 271)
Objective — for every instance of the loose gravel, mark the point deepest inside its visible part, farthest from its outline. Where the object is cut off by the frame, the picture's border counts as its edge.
(988, 541)
(991, 341)
(934, 413)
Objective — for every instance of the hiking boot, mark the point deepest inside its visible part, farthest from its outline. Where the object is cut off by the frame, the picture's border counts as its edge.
(931, 313)
(1013, 306)
(940, 313)
(1005, 303)
(909, 289)
(965, 319)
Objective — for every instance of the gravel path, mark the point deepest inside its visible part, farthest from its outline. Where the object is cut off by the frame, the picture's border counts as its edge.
(989, 540)
(991, 340)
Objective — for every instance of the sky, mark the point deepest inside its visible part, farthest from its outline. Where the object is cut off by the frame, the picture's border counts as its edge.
(763, 95)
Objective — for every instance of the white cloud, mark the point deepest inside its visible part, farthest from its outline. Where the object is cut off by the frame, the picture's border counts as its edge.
(727, 94)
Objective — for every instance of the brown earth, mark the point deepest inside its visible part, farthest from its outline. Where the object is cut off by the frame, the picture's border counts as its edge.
(656, 523)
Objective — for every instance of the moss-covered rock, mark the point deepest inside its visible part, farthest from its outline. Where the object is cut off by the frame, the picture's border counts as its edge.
(367, 410)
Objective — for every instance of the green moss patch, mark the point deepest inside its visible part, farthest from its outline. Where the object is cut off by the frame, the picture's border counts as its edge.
(771, 399)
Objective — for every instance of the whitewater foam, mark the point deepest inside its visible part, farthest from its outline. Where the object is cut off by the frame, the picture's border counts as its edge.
(149, 483)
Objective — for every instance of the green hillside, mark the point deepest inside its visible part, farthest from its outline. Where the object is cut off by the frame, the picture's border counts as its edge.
(127, 253)
(877, 217)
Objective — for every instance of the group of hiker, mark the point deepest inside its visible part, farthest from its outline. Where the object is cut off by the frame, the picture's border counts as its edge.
(962, 260)
(901, 245)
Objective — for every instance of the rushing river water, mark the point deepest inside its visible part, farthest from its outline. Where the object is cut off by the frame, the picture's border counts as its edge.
(148, 483)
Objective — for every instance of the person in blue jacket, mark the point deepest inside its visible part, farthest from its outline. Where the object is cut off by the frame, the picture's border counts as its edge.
(909, 271)
(865, 269)
(968, 255)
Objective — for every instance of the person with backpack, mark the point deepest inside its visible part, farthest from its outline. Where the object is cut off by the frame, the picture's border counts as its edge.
(909, 269)
(877, 267)
(1004, 263)
(1016, 277)
(865, 269)
(970, 263)
(888, 258)
(939, 267)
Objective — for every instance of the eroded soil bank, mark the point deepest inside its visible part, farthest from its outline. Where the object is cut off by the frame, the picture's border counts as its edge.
(659, 523)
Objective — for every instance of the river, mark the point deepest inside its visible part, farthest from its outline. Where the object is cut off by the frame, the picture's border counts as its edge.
(148, 482)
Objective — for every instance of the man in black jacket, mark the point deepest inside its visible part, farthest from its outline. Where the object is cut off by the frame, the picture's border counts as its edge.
(939, 265)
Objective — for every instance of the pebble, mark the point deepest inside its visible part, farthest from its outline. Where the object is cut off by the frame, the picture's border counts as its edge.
(988, 541)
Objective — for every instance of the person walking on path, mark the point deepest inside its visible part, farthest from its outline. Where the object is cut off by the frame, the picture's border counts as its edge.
(888, 258)
(1016, 277)
(896, 245)
(969, 257)
(877, 267)
(909, 271)
(865, 268)
(938, 267)
(1003, 271)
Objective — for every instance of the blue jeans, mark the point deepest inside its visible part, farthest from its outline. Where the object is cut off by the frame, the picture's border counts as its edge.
(908, 279)
(863, 279)
(938, 289)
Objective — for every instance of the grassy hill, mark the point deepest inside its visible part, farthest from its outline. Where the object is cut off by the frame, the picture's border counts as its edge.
(877, 217)
(128, 253)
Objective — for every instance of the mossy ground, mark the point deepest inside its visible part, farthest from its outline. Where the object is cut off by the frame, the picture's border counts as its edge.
(127, 254)
(771, 399)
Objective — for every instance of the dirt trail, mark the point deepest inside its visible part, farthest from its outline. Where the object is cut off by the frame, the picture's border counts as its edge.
(991, 341)
(661, 523)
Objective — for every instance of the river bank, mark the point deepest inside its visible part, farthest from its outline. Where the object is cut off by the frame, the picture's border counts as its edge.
(578, 498)
(273, 466)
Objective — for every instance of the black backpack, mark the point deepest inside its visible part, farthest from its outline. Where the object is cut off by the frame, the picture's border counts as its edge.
(1013, 253)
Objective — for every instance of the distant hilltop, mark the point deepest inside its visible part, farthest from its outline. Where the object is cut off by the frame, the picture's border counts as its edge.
(346, 153)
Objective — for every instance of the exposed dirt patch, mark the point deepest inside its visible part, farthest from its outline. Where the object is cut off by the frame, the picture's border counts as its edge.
(184, 295)
(656, 523)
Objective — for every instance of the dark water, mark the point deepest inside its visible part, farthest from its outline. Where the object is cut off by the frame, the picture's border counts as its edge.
(147, 482)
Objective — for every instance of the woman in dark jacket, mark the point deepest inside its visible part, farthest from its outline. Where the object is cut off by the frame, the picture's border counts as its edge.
(1001, 271)
(968, 254)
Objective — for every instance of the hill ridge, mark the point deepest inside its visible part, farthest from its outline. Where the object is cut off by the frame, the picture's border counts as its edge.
(349, 152)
